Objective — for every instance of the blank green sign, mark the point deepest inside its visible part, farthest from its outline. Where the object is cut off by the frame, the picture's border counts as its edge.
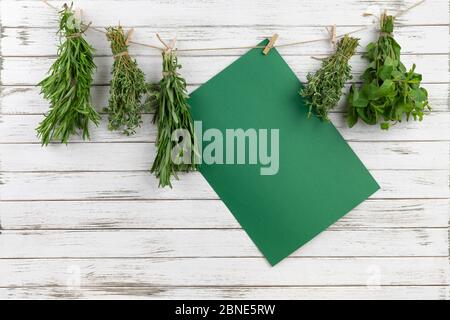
(319, 178)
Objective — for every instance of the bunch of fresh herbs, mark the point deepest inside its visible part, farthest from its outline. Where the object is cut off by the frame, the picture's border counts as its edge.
(172, 114)
(324, 88)
(126, 87)
(68, 85)
(389, 91)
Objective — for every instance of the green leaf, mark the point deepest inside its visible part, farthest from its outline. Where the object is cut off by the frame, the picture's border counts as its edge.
(385, 72)
(419, 95)
(359, 100)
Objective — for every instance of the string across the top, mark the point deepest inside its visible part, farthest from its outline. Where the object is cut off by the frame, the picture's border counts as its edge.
(169, 47)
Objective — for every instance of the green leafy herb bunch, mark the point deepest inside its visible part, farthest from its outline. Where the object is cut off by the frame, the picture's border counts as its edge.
(324, 88)
(169, 101)
(127, 86)
(68, 84)
(389, 91)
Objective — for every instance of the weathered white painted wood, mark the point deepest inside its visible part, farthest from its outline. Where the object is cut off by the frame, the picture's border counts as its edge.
(230, 293)
(223, 12)
(435, 126)
(21, 129)
(27, 100)
(43, 42)
(144, 186)
(31, 70)
(139, 156)
(215, 243)
(224, 272)
(377, 227)
(201, 214)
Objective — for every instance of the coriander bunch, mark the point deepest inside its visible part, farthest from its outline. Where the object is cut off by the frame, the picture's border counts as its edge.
(389, 91)
(171, 114)
(67, 87)
(324, 88)
(127, 86)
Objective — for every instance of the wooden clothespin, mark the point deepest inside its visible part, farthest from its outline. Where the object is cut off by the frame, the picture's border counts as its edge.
(332, 33)
(173, 43)
(166, 46)
(79, 14)
(270, 44)
(129, 34)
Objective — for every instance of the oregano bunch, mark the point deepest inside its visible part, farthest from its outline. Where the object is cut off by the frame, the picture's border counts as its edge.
(389, 91)
(68, 85)
(127, 86)
(169, 101)
(324, 88)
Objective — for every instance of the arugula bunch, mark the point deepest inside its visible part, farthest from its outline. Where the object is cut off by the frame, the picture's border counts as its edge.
(169, 99)
(68, 85)
(127, 86)
(389, 91)
(324, 88)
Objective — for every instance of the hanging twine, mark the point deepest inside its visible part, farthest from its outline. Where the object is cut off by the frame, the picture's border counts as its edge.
(168, 48)
(400, 13)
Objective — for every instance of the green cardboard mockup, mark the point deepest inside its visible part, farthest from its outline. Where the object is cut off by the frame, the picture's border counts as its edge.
(318, 178)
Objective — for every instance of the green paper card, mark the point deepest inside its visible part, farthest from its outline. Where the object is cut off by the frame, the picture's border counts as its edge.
(285, 177)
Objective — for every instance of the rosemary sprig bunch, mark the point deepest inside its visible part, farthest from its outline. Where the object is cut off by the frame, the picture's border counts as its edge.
(171, 114)
(68, 85)
(127, 86)
(324, 88)
(389, 91)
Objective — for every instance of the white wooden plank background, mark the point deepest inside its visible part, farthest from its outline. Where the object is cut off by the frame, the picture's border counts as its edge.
(88, 221)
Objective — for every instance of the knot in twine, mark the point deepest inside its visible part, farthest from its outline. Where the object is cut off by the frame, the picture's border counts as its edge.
(80, 33)
(169, 73)
(121, 54)
(167, 47)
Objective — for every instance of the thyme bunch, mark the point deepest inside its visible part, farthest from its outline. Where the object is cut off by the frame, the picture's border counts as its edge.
(127, 86)
(389, 91)
(169, 99)
(324, 88)
(68, 85)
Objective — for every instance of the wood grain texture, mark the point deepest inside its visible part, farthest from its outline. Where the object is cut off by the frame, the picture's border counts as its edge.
(434, 127)
(215, 243)
(223, 272)
(43, 42)
(26, 100)
(201, 214)
(231, 293)
(87, 220)
(139, 156)
(223, 13)
(142, 185)
(19, 71)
